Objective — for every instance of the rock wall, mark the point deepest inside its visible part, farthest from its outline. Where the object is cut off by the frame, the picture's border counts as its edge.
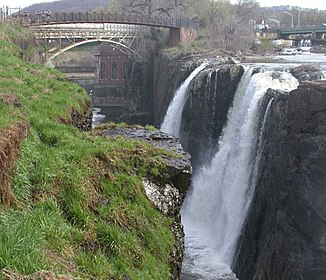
(205, 113)
(138, 92)
(285, 232)
(169, 72)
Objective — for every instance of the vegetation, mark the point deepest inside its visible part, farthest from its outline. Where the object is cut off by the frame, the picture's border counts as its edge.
(228, 25)
(77, 207)
(68, 6)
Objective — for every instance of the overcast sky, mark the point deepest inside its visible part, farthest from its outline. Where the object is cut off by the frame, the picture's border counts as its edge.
(320, 4)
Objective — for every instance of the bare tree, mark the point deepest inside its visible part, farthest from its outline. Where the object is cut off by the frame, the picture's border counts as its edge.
(228, 25)
(153, 7)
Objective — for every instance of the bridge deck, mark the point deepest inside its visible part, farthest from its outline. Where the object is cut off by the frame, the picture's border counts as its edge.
(95, 17)
(303, 29)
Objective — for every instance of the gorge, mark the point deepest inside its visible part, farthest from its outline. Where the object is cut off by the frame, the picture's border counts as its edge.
(232, 145)
(230, 187)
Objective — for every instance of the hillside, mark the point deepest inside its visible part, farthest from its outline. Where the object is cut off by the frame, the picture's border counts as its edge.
(68, 6)
(72, 203)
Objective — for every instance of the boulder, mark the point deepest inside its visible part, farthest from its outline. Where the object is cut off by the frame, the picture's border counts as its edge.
(306, 72)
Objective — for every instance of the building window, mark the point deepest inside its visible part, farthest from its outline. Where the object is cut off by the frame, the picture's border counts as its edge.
(125, 70)
(102, 71)
(114, 71)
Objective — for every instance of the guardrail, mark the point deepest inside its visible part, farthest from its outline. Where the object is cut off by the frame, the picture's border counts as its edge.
(45, 17)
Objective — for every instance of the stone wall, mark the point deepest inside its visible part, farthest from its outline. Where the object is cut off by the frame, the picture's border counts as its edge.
(183, 36)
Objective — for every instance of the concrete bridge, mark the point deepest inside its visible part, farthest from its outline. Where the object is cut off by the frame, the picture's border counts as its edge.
(316, 31)
(124, 30)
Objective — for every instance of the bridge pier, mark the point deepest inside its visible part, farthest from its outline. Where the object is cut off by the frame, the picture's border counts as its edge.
(182, 35)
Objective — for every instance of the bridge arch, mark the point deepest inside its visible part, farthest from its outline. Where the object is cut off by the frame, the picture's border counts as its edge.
(118, 44)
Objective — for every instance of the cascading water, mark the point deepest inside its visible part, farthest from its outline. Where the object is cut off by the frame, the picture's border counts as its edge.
(215, 208)
(172, 119)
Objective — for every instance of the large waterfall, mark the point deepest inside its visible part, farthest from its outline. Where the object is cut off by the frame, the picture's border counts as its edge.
(216, 206)
(172, 120)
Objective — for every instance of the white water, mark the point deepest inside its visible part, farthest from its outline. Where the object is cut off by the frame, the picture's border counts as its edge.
(172, 119)
(221, 192)
(97, 117)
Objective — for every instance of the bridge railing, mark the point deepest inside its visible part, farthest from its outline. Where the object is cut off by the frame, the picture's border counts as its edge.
(93, 27)
(46, 17)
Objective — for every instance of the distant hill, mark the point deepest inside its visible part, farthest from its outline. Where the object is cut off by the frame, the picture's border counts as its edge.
(68, 6)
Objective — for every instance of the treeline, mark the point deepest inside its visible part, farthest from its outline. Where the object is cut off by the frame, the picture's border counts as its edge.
(223, 25)
(68, 6)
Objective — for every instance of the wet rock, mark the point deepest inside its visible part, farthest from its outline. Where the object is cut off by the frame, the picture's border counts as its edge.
(204, 115)
(170, 71)
(318, 49)
(307, 72)
(285, 232)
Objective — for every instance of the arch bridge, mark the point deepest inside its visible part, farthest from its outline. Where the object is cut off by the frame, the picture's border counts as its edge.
(60, 32)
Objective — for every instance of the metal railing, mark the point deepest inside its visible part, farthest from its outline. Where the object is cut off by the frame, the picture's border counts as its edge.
(45, 17)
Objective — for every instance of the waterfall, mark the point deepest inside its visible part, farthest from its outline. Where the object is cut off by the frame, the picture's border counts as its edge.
(216, 206)
(172, 119)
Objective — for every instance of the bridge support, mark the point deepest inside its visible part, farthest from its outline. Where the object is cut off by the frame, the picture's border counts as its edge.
(183, 36)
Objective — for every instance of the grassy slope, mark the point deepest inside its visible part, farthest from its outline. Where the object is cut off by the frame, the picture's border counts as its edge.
(80, 207)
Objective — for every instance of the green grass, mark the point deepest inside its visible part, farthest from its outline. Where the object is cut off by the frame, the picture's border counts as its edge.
(81, 209)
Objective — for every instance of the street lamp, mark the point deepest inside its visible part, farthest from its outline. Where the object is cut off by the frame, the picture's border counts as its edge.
(285, 12)
(275, 20)
(299, 16)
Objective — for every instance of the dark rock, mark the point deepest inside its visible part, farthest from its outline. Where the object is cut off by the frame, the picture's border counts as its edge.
(306, 72)
(318, 49)
(171, 71)
(205, 113)
(285, 232)
(82, 121)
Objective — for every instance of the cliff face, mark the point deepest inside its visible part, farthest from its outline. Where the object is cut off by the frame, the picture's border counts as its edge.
(205, 112)
(285, 232)
(169, 73)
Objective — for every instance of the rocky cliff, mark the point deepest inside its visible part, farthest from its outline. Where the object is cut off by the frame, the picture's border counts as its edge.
(205, 112)
(169, 73)
(209, 97)
(166, 190)
(285, 232)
